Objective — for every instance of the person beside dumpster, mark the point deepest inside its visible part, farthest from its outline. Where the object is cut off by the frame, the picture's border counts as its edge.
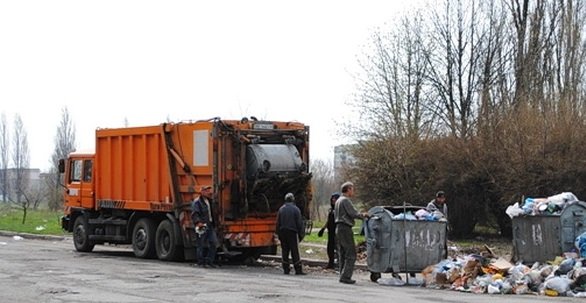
(203, 219)
(439, 204)
(344, 214)
(331, 227)
(290, 231)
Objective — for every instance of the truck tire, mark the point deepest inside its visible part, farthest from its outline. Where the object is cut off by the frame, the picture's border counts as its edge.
(143, 238)
(81, 231)
(166, 242)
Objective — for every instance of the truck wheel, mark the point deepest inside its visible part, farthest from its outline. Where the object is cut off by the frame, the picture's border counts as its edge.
(143, 238)
(374, 276)
(166, 242)
(81, 235)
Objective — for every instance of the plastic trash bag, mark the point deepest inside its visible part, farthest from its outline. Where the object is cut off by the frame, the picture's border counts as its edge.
(528, 206)
(561, 199)
(580, 244)
(559, 284)
(493, 289)
(422, 214)
(566, 266)
(390, 281)
(415, 281)
(518, 271)
(409, 216)
(514, 210)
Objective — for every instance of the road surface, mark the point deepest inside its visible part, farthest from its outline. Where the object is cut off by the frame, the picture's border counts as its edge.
(34, 270)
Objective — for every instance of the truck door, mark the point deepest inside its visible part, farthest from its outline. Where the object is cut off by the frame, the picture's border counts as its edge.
(80, 185)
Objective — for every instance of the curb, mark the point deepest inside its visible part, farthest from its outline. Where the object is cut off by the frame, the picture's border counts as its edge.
(32, 236)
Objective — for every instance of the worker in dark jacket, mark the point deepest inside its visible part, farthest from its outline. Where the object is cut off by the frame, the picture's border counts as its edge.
(203, 219)
(290, 231)
(331, 227)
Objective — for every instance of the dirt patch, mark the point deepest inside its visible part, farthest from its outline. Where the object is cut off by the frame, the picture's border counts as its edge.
(497, 247)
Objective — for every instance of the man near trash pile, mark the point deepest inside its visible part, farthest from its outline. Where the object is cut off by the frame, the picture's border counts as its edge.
(344, 214)
(290, 231)
(331, 227)
(439, 204)
(203, 219)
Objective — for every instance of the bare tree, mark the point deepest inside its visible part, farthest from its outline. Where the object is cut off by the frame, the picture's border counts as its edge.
(455, 64)
(392, 94)
(323, 184)
(21, 162)
(64, 144)
(4, 146)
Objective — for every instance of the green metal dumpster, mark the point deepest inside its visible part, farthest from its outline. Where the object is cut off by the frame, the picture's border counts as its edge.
(397, 246)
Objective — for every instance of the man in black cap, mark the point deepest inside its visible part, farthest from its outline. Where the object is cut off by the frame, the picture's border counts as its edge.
(290, 231)
(439, 204)
(331, 227)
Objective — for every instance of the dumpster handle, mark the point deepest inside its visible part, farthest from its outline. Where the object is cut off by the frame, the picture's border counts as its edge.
(405, 239)
(366, 228)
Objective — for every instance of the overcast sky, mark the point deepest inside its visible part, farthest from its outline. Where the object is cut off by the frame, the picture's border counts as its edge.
(147, 61)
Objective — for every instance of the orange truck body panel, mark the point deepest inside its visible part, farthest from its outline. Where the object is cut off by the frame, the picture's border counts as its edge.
(157, 171)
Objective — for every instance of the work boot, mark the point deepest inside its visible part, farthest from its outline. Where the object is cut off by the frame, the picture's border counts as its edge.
(212, 265)
(347, 281)
(286, 268)
(299, 270)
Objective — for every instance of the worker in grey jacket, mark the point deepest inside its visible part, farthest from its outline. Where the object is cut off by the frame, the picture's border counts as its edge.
(290, 231)
(345, 213)
(439, 204)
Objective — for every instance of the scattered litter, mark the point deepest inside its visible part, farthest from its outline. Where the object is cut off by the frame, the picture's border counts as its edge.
(3, 243)
(39, 228)
(309, 251)
(17, 238)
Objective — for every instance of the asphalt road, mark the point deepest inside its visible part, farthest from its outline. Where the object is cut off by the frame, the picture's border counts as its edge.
(35, 270)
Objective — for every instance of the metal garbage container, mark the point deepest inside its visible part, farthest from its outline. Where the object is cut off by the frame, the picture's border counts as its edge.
(540, 238)
(397, 245)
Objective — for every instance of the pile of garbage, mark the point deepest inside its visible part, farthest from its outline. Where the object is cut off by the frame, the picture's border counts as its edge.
(421, 215)
(564, 276)
(552, 205)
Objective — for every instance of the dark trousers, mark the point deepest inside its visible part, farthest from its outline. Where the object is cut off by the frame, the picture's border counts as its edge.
(206, 247)
(331, 248)
(289, 245)
(346, 250)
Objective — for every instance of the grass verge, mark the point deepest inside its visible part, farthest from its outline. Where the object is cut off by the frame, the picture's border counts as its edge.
(43, 222)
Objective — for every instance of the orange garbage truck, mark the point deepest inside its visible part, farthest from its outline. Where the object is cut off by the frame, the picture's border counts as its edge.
(138, 186)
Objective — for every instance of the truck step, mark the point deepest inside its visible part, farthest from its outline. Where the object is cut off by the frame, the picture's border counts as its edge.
(107, 238)
(108, 221)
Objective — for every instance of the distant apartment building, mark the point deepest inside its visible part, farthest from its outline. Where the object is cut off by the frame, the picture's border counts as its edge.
(343, 159)
(8, 181)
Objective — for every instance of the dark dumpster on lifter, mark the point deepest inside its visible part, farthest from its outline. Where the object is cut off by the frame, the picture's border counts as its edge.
(540, 238)
(400, 245)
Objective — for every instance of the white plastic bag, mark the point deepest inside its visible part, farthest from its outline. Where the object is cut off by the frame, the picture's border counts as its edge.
(390, 281)
(561, 199)
(514, 210)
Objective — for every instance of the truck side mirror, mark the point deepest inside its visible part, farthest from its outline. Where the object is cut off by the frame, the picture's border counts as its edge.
(61, 166)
